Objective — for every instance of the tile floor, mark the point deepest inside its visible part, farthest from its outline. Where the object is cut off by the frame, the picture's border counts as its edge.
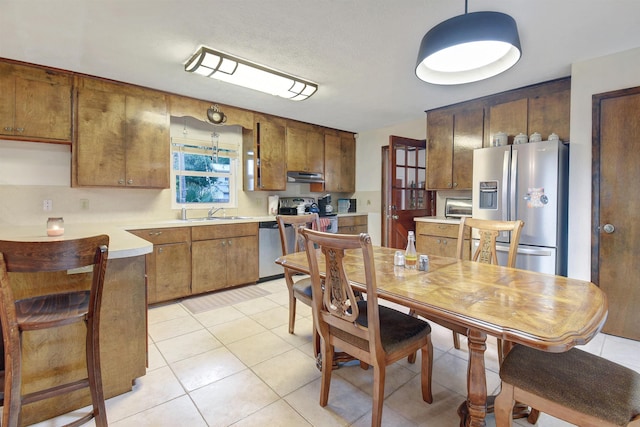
(239, 366)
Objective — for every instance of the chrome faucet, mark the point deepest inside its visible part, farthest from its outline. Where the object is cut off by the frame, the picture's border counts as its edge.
(212, 211)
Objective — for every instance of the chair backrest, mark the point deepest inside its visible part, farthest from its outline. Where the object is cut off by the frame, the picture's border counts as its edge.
(296, 221)
(49, 257)
(488, 231)
(335, 306)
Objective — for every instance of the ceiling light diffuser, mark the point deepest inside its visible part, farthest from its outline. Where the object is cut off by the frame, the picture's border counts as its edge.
(228, 68)
(468, 48)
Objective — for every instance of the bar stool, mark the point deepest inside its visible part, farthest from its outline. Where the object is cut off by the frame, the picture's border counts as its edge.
(50, 311)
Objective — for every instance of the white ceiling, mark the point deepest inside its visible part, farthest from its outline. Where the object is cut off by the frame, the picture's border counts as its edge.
(362, 53)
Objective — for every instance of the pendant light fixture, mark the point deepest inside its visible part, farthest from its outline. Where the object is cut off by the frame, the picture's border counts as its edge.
(228, 68)
(468, 48)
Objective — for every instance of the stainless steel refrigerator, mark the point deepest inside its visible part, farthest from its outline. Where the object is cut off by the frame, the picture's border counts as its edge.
(527, 182)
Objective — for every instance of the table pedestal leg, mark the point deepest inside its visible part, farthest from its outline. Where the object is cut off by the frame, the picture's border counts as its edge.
(475, 410)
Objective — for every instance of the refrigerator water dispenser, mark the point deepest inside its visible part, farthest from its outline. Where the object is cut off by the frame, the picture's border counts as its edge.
(488, 195)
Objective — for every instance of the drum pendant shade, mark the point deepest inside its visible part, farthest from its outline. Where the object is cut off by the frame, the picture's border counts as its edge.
(468, 48)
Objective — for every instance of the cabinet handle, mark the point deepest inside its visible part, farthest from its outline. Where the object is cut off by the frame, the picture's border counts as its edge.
(444, 242)
(160, 250)
(455, 184)
(229, 242)
(8, 128)
(130, 182)
(224, 243)
(438, 241)
(20, 130)
(121, 181)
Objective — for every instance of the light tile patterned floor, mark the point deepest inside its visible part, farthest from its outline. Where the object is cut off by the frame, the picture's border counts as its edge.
(238, 365)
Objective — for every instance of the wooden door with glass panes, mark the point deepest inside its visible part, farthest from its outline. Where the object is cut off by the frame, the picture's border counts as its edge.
(409, 199)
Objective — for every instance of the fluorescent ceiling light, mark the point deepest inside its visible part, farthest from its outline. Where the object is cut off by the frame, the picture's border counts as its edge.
(468, 48)
(228, 68)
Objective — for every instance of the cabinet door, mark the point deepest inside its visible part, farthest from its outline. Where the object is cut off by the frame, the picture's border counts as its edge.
(172, 272)
(439, 150)
(35, 103)
(100, 148)
(208, 265)
(509, 117)
(305, 149)
(43, 109)
(147, 141)
(550, 113)
(339, 163)
(468, 131)
(7, 100)
(271, 165)
(242, 260)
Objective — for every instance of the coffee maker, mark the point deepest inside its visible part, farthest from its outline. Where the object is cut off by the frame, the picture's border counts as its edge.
(324, 205)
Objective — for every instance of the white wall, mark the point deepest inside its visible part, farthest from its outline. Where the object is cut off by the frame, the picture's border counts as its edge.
(590, 77)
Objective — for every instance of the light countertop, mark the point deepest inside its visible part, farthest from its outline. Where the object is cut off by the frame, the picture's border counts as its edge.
(439, 219)
(122, 244)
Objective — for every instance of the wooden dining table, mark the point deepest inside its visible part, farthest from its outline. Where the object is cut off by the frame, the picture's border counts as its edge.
(547, 312)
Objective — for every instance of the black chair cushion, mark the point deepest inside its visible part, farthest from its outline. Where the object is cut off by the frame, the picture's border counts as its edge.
(303, 287)
(576, 379)
(395, 327)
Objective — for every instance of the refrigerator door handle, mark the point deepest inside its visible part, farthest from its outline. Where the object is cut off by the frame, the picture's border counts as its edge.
(512, 185)
(526, 251)
(505, 186)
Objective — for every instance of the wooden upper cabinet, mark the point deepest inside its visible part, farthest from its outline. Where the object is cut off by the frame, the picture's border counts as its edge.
(123, 136)
(468, 131)
(339, 163)
(439, 149)
(550, 113)
(544, 108)
(270, 164)
(452, 135)
(35, 103)
(305, 147)
(510, 118)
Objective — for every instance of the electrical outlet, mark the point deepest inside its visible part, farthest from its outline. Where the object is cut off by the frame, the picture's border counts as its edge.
(47, 205)
(84, 204)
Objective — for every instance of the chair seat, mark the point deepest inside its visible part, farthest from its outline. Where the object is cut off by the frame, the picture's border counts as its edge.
(303, 288)
(395, 327)
(52, 310)
(576, 379)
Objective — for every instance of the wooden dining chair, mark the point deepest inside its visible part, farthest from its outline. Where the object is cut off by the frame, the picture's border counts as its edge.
(488, 231)
(298, 289)
(376, 335)
(53, 308)
(575, 386)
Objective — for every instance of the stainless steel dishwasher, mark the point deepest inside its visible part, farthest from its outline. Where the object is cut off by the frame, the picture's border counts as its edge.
(270, 248)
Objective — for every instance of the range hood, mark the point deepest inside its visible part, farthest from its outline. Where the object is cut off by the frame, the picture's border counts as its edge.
(311, 177)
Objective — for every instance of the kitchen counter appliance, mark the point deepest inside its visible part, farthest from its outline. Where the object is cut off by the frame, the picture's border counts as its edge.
(289, 205)
(457, 207)
(324, 205)
(527, 182)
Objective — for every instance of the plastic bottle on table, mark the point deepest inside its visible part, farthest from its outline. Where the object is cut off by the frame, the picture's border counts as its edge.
(410, 255)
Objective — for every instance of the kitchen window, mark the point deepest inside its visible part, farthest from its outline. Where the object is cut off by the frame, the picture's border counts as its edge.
(203, 173)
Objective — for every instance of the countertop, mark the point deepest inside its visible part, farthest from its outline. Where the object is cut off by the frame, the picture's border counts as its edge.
(122, 244)
(439, 219)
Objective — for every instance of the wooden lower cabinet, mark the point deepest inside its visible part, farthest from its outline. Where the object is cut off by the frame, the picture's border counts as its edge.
(355, 224)
(169, 265)
(57, 355)
(440, 239)
(223, 256)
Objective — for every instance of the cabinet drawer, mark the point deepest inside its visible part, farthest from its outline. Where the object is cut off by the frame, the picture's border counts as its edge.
(159, 236)
(347, 221)
(208, 232)
(438, 229)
